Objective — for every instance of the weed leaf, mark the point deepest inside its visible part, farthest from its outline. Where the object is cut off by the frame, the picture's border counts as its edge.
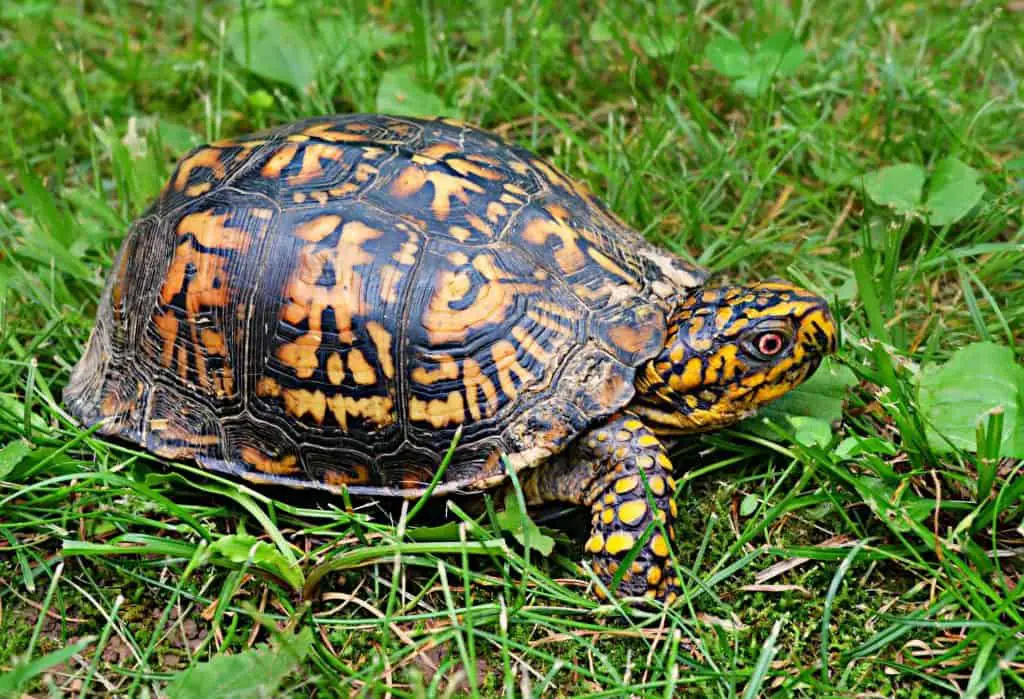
(256, 672)
(897, 186)
(400, 92)
(977, 379)
(953, 191)
(240, 548)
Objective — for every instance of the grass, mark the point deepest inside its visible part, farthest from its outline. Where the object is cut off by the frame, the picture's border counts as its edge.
(870, 558)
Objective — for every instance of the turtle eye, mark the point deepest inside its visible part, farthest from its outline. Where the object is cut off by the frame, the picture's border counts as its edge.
(770, 343)
(767, 344)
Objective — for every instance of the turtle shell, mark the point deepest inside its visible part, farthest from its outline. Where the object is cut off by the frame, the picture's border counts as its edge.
(328, 303)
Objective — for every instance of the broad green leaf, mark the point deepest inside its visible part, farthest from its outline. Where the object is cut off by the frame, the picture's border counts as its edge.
(279, 49)
(400, 92)
(658, 46)
(518, 523)
(242, 548)
(728, 57)
(348, 43)
(896, 186)
(256, 672)
(810, 409)
(811, 431)
(953, 190)
(600, 31)
(11, 455)
(780, 54)
(748, 505)
(977, 379)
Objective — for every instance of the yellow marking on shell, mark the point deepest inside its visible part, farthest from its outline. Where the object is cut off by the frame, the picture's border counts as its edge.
(569, 257)
(382, 342)
(343, 189)
(279, 161)
(654, 576)
(506, 364)
(677, 354)
(283, 466)
(722, 316)
(480, 225)
(317, 229)
(299, 197)
(493, 299)
(266, 386)
(446, 187)
(608, 516)
(609, 499)
(439, 413)
(466, 168)
(657, 485)
(434, 152)
(633, 338)
(530, 345)
(335, 369)
(609, 265)
(632, 512)
(447, 368)
(627, 484)
(659, 547)
(167, 325)
(378, 410)
(495, 210)
(510, 200)
(306, 299)
(209, 158)
(623, 435)
(300, 355)
(311, 157)
(196, 189)
(458, 258)
(632, 424)
(365, 172)
(602, 436)
(300, 401)
(360, 475)
(324, 132)
(362, 372)
(473, 379)
(644, 462)
(673, 508)
(460, 233)
(297, 138)
(619, 542)
(595, 544)
(319, 197)
(389, 278)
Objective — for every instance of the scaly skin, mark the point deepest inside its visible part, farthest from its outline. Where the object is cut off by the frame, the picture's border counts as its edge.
(729, 351)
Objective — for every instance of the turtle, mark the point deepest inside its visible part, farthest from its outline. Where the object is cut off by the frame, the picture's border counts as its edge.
(334, 303)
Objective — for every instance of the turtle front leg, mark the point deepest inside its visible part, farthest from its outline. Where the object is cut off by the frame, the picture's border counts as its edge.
(607, 471)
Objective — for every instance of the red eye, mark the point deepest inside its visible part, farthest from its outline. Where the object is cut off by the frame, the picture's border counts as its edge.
(770, 344)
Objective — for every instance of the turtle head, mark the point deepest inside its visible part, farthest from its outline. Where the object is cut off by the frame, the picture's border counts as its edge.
(729, 351)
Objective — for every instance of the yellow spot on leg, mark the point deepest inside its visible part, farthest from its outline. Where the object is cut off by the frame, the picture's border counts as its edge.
(632, 511)
(619, 542)
(625, 485)
(659, 546)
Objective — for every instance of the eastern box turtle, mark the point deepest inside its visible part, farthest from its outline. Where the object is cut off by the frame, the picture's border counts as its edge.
(323, 305)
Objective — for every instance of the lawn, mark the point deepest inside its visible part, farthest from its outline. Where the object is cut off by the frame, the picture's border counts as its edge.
(866, 538)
